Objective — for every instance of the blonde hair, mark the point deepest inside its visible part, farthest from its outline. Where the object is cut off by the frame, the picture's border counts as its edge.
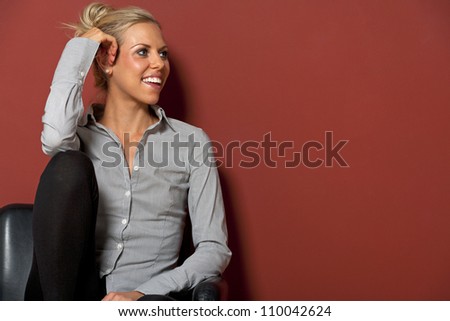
(111, 21)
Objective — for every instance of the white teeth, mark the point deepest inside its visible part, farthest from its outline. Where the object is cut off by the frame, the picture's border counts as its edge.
(154, 80)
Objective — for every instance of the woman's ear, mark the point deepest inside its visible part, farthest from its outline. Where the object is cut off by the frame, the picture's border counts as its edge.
(103, 61)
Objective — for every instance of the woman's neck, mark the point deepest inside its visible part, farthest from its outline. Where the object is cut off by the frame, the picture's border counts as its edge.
(129, 119)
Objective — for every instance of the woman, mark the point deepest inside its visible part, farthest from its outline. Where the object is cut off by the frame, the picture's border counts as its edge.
(123, 172)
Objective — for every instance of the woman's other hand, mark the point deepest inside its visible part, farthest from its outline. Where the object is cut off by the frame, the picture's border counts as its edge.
(123, 296)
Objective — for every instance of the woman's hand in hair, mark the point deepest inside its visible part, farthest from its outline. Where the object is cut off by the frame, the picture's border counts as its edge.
(108, 44)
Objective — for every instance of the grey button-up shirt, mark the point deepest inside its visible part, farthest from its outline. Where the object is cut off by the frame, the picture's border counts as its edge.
(141, 215)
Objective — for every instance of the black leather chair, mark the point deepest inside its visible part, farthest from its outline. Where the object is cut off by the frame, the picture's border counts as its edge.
(16, 251)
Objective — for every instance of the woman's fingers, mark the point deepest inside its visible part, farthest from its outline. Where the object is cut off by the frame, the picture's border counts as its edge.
(123, 296)
(107, 42)
(112, 50)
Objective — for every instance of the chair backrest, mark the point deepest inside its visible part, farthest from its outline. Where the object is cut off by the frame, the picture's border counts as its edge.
(16, 250)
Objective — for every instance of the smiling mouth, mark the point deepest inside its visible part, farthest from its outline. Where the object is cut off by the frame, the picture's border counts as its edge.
(152, 81)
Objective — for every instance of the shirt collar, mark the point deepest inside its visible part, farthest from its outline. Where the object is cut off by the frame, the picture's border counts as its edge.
(90, 115)
(162, 115)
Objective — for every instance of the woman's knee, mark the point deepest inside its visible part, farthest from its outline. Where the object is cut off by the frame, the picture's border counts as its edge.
(71, 159)
(70, 169)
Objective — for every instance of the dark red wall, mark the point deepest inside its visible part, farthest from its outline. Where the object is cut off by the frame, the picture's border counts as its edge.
(374, 73)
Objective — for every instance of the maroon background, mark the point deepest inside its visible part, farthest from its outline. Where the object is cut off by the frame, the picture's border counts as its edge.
(376, 73)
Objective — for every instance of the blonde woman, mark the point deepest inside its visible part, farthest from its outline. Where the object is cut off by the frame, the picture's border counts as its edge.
(112, 203)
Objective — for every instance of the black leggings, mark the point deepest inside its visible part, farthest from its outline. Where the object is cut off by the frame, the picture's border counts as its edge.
(64, 216)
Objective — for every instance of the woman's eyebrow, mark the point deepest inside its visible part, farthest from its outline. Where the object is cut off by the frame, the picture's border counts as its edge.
(147, 46)
(140, 44)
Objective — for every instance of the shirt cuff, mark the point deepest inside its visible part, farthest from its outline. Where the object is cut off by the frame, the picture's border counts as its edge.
(76, 60)
(163, 284)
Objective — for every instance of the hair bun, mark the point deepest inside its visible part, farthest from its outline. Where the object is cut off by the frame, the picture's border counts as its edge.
(90, 18)
(92, 14)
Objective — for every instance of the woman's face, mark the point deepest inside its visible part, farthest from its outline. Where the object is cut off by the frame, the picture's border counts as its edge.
(142, 67)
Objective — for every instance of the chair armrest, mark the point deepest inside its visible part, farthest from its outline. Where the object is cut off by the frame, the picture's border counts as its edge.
(213, 289)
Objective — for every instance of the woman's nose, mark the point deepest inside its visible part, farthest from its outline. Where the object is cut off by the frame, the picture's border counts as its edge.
(156, 61)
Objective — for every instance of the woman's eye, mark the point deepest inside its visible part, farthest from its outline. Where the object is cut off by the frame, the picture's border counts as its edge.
(142, 52)
(164, 54)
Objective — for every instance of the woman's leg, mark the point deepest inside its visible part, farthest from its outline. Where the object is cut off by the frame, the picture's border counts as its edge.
(64, 217)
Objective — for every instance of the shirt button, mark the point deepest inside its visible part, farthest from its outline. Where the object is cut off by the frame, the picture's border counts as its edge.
(136, 168)
(127, 193)
(124, 221)
(119, 246)
(82, 73)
